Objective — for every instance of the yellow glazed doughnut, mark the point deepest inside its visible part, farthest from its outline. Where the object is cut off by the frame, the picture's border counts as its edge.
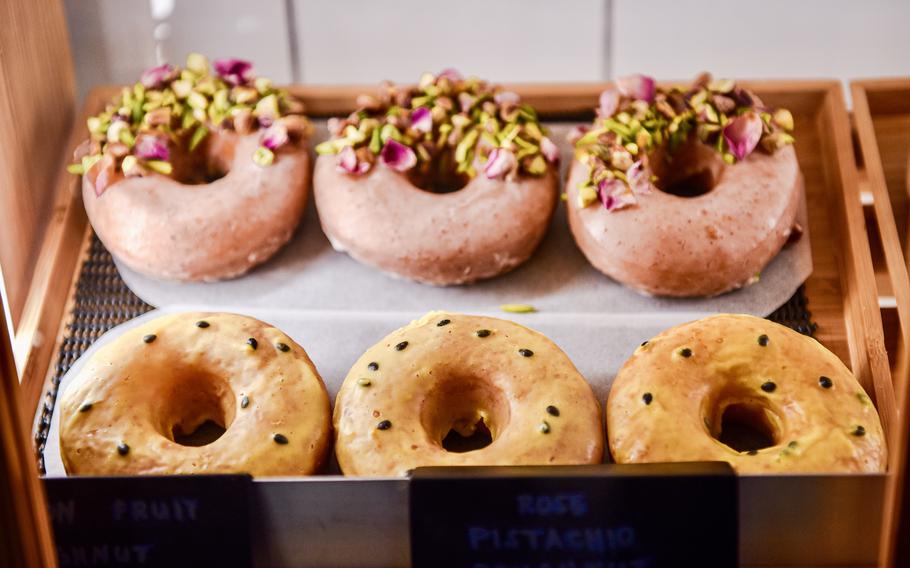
(450, 372)
(676, 395)
(167, 377)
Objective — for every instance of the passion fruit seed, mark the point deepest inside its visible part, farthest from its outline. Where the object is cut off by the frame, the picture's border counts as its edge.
(552, 410)
(401, 346)
(202, 324)
(280, 439)
(374, 366)
(763, 340)
(252, 343)
(123, 448)
(825, 382)
(526, 352)
(149, 338)
(384, 425)
(245, 401)
(544, 427)
(443, 322)
(482, 333)
(647, 398)
(768, 386)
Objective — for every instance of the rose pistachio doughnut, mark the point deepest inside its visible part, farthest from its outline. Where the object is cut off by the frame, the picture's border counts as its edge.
(746, 391)
(196, 176)
(387, 182)
(131, 405)
(669, 193)
(450, 372)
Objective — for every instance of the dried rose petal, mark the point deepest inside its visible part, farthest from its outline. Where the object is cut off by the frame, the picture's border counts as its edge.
(639, 178)
(451, 74)
(149, 147)
(742, 134)
(275, 136)
(639, 87)
(500, 163)
(614, 194)
(234, 71)
(422, 119)
(609, 102)
(576, 133)
(156, 77)
(102, 174)
(503, 97)
(549, 150)
(397, 156)
(347, 162)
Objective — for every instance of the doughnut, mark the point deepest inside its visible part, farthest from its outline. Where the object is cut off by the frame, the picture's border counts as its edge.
(194, 176)
(747, 391)
(131, 407)
(387, 182)
(453, 374)
(683, 193)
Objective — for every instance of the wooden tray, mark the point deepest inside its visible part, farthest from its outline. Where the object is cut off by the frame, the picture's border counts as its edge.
(881, 118)
(841, 291)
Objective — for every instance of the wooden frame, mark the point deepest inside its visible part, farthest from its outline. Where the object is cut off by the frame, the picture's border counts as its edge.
(881, 112)
(842, 288)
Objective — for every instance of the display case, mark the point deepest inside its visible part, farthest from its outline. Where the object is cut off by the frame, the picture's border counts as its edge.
(75, 293)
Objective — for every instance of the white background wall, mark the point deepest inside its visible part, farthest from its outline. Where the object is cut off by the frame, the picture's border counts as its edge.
(363, 41)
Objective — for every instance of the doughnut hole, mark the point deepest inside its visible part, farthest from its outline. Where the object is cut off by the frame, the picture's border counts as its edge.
(439, 175)
(197, 410)
(693, 169)
(210, 161)
(463, 415)
(744, 423)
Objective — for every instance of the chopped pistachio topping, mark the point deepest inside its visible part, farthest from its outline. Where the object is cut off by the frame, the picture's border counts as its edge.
(444, 124)
(633, 122)
(173, 108)
(518, 308)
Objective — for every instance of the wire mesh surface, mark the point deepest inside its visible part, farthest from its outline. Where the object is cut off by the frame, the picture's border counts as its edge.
(103, 301)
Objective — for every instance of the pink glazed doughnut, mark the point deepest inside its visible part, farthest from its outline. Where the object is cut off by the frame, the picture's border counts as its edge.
(451, 132)
(683, 241)
(192, 176)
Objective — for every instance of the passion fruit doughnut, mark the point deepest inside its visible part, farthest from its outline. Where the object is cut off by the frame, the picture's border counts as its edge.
(683, 192)
(193, 176)
(452, 372)
(790, 405)
(384, 182)
(127, 410)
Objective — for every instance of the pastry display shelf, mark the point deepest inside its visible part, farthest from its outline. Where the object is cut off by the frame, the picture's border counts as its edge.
(784, 520)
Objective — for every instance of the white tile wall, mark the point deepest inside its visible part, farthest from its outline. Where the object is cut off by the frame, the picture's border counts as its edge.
(842, 39)
(345, 41)
(507, 40)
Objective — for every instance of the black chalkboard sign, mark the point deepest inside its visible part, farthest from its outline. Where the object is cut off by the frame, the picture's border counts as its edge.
(609, 516)
(151, 521)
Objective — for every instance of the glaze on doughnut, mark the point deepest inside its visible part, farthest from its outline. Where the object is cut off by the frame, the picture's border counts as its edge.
(450, 371)
(673, 398)
(133, 399)
(446, 131)
(682, 245)
(149, 168)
